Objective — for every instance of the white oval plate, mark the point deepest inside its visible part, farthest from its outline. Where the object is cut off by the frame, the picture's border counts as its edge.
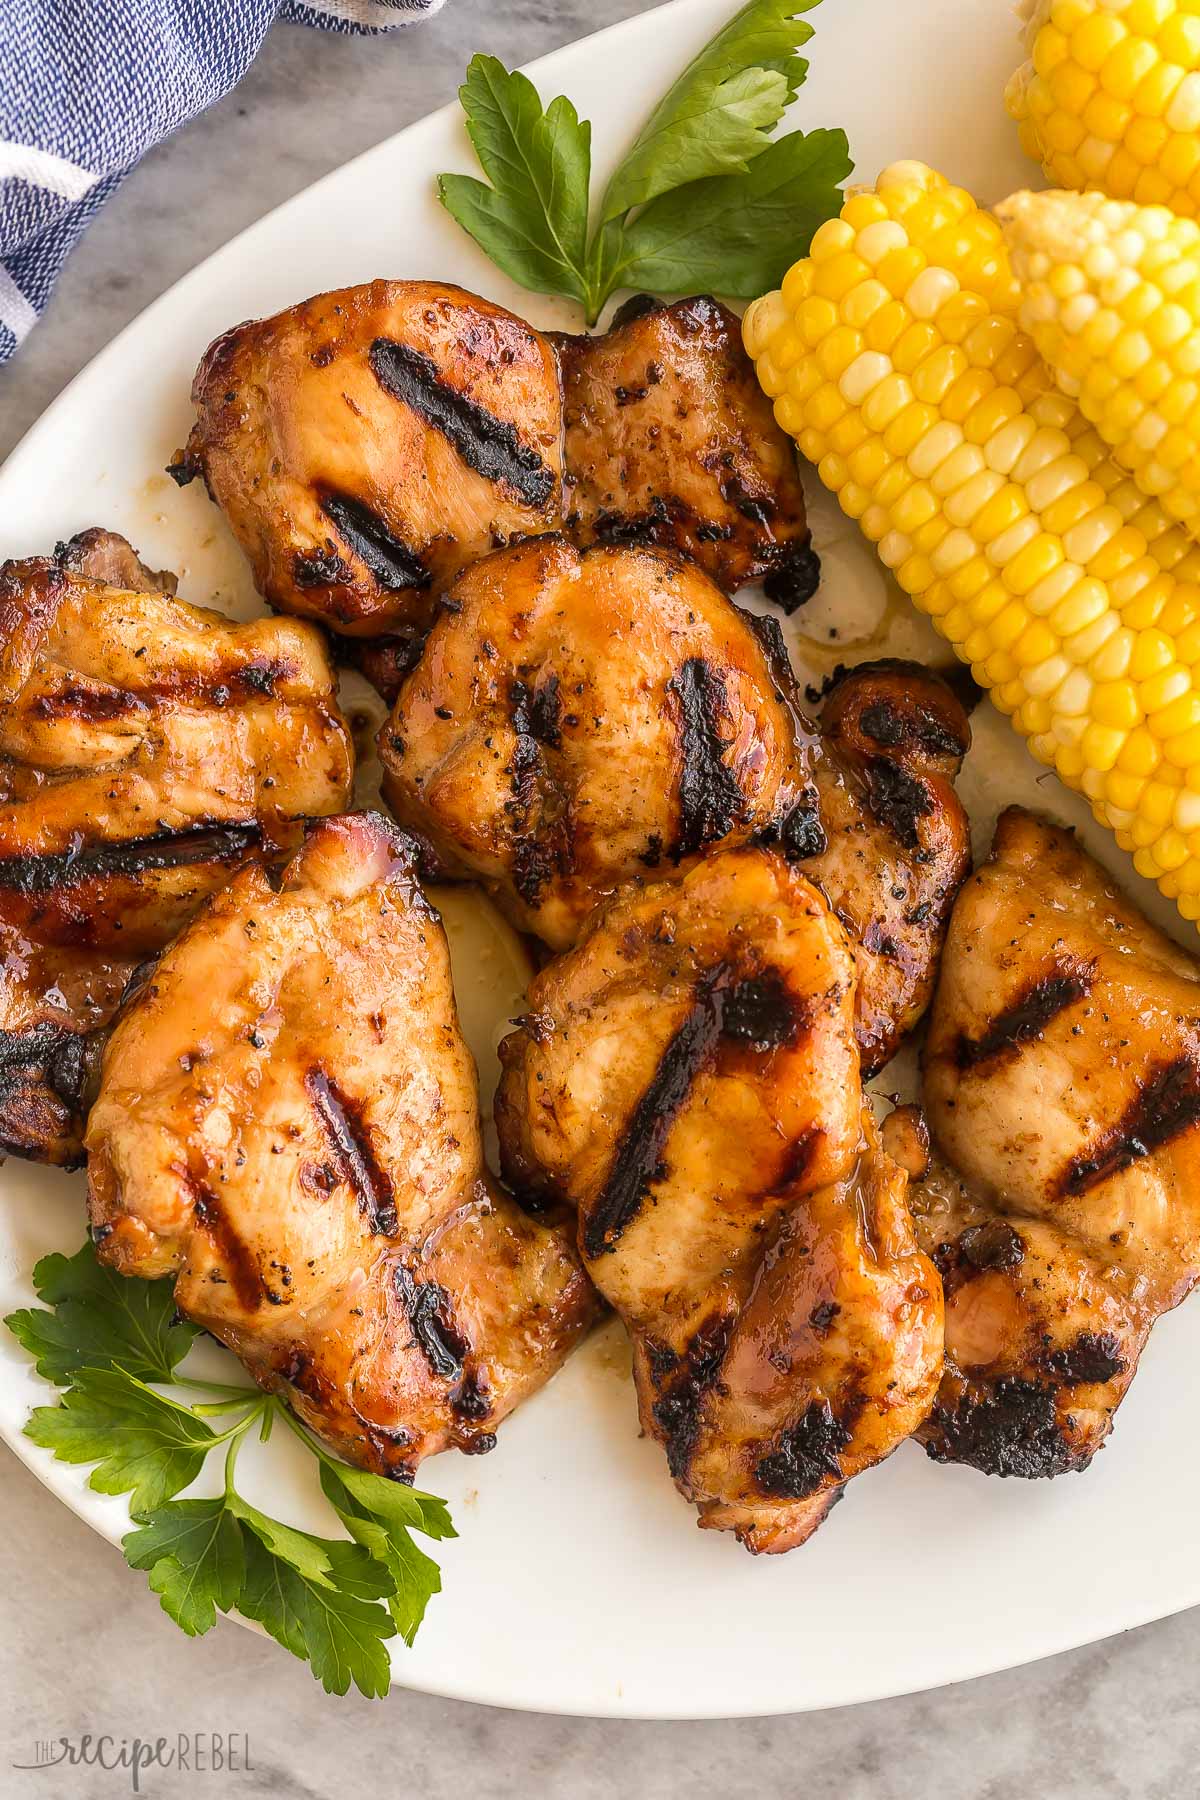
(579, 1582)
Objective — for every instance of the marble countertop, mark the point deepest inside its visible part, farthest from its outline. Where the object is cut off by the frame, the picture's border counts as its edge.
(84, 1645)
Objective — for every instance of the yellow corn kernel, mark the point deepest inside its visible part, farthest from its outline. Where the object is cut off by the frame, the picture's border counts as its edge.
(1109, 97)
(1066, 585)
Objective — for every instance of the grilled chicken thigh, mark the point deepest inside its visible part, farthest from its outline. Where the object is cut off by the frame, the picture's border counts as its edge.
(897, 842)
(367, 444)
(578, 722)
(688, 1078)
(287, 1122)
(1062, 1082)
(671, 441)
(146, 749)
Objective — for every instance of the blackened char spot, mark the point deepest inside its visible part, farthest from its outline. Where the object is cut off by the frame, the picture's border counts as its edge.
(349, 1140)
(537, 712)
(806, 1456)
(897, 800)
(800, 834)
(710, 801)
(486, 444)
(761, 1011)
(794, 578)
(995, 1245)
(392, 562)
(427, 1308)
(323, 567)
(541, 843)
(684, 1381)
(1024, 1021)
(890, 727)
(652, 526)
(638, 306)
(1168, 1104)
(48, 1054)
(1092, 1357)
(129, 856)
(183, 469)
(1009, 1429)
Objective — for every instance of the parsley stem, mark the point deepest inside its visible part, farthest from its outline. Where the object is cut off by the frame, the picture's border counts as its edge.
(234, 1437)
(318, 1449)
(238, 1390)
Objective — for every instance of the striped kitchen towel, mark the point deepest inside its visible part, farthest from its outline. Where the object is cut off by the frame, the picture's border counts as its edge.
(87, 86)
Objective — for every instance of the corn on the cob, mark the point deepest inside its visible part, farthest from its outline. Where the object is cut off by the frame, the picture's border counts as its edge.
(1110, 293)
(1110, 97)
(894, 357)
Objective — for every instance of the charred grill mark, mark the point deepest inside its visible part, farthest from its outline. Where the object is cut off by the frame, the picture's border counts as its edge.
(637, 1163)
(43, 1073)
(537, 711)
(238, 1261)
(656, 525)
(486, 444)
(1167, 1105)
(323, 567)
(897, 800)
(801, 833)
(392, 562)
(1009, 1429)
(888, 726)
(762, 1012)
(29, 875)
(47, 1054)
(807, 1455)
(757, 1010)
(427, 1308)
(95, 706)
(349, 1140)
(710, 801)
(684, 1381)
(1026, 1019)
(542, 845)
(1091, 1358)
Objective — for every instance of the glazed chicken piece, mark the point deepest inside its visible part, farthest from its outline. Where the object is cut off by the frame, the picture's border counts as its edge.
(1062, 1086)
(671, 441)
(367, 444)
(897, 841)
(579, 722)
(287, 1123)
(687, 1077)
(146, 749)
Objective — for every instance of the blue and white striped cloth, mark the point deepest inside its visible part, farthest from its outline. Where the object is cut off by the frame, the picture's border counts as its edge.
(88, 86)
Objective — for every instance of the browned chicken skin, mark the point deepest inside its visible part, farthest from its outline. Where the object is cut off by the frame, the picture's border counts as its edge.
(146, 749)
(1062, 1084)
(672, 442)
(687, 1077)
(579, 722)
(368, 444)
(287, 1122)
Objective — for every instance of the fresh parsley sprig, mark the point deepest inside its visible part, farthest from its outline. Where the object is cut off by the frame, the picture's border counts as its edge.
(703, 199)
(334, 1602)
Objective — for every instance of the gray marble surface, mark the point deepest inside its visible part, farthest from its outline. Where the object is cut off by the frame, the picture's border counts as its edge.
(84, 1645)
